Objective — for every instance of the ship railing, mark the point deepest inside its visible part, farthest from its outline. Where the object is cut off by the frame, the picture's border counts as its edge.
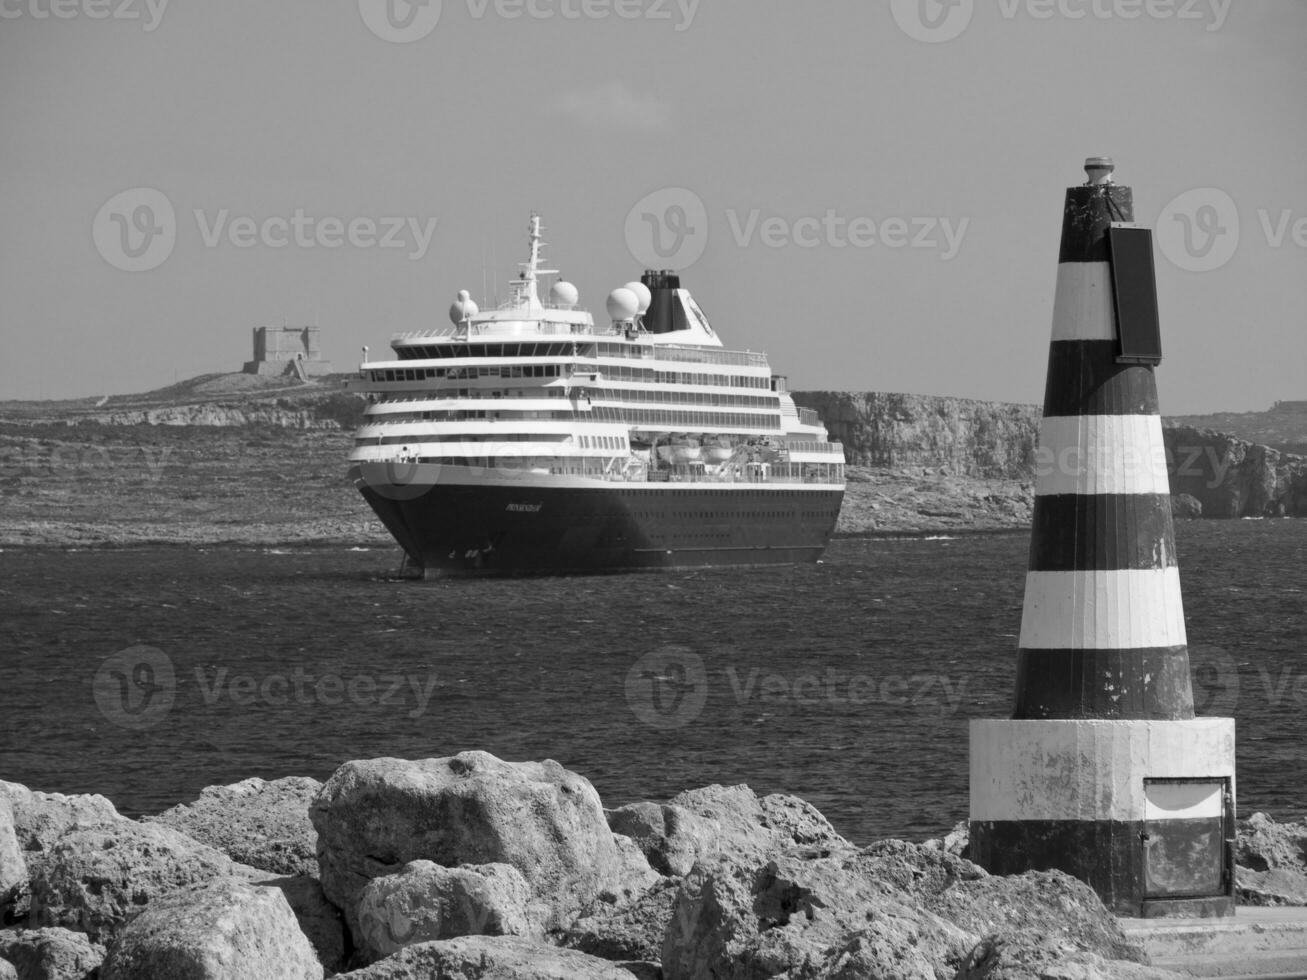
(815, 447)
(686, 355)
(775, 473)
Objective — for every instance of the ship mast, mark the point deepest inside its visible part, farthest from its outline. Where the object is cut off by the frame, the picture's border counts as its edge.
(525, 289)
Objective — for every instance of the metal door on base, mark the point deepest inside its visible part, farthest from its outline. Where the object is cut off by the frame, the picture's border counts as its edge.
(1186, 838)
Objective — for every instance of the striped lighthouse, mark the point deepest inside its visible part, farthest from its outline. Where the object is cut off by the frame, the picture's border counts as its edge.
(1103, 771)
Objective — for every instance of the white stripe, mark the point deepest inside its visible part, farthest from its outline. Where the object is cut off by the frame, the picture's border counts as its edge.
(1089, 770)
(1091, 610)
(1082, 305)
(1101, 454)
(1182, 801)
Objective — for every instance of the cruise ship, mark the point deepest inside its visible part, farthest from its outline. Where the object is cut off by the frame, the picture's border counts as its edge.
(529, 439)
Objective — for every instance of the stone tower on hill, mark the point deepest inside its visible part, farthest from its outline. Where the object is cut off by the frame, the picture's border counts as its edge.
(291, 351)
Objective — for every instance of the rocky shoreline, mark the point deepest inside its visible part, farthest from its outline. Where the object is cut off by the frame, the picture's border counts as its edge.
(472, 867)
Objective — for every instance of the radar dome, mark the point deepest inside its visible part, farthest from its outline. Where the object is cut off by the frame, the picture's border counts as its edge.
(563, 294)
(642, 293)
(463, 308)
(623, 304)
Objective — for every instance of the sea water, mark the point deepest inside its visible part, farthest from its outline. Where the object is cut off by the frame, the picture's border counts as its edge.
(146, 674)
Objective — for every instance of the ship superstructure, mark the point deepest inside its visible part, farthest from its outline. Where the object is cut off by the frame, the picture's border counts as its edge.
(529, 439)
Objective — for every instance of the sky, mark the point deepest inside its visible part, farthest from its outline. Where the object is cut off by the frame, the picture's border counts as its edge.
(868, 190)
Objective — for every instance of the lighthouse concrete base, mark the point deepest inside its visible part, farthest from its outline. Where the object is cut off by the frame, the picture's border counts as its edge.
(1142, 811)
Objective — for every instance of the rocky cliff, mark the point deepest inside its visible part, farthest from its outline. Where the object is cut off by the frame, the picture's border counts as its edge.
(1224, 476)
(975, 438)
(1231, 477)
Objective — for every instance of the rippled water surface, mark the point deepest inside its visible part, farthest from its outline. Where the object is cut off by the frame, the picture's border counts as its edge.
(848, 683)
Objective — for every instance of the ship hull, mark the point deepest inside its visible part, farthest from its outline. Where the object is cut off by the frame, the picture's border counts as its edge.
(468, 529)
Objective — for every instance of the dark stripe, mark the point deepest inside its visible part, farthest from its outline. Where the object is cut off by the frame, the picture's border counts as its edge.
(1088, 212)
(1102, 532)
(1145, 683)
(1085, 379)
(1108, 855)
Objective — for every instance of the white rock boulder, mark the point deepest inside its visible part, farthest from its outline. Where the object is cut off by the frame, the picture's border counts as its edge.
(94, 880)
(373, 817)
(426, 901)
(224, 929)
(488, 958)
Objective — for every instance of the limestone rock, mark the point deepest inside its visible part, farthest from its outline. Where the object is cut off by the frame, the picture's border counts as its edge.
(224, 929)
(42, 818)
(319, 920)
(1186, 505)
(717, 821)
(670, 837)
(630, 931)
(1062, 914)
(956, 842)
(425, 901)
(803, 910)
(264, 824)
(1278, 886)
(791, 819)
(488, 958)
(1271, 862)
(1264, 844)
(892, 909)
(633, 877)
(93, 880)
(7, 971)
(51, 954)
(13, 869)
(373, 817)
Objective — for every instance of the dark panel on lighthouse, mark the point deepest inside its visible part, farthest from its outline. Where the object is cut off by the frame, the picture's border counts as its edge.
(1134, 288)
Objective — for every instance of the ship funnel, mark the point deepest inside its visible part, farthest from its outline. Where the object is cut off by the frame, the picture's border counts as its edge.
(665, 314)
